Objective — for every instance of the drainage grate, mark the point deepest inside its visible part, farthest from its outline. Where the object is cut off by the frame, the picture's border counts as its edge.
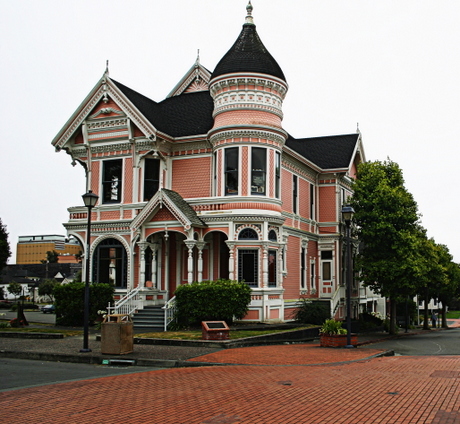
(119, 362)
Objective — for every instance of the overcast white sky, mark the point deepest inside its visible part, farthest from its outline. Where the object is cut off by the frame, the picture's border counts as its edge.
(392, 66)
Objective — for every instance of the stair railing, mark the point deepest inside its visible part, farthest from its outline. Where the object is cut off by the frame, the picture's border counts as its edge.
(336, 299)
(128, 304)
(170, 311)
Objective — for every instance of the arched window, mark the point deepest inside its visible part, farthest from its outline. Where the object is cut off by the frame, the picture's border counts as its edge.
(272, 235)
(248, 234)
(110, 263)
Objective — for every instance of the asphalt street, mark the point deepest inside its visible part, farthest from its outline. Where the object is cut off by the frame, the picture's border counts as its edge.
(23, 373)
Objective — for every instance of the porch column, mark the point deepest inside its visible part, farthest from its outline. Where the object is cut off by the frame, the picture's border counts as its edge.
(154, 249)
(231, 260)
(190, 245)
(142, 246)
(200, 245)
(265, 266)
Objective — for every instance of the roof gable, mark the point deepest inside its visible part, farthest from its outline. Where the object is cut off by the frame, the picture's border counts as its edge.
(196, 79)
(104, 91)
(178, 207)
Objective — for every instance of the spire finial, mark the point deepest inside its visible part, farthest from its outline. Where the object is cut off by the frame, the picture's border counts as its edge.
(357, 128)
(197, 57)
(107, 67)
(249, 8)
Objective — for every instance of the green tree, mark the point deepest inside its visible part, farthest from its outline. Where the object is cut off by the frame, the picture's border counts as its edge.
(46, 288)
(447, 290)
(5, 251)
(52, 257)
(388, 227)
(14, 288)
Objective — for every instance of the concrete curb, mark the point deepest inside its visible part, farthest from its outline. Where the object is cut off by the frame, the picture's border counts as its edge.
(88, 358)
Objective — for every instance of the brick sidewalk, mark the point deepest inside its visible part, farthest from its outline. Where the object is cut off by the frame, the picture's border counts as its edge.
(386, 390)
(297, 354)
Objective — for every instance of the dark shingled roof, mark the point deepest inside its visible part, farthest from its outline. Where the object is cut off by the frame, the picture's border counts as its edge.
(177, 116)
(330, 152)
(248, 54)
(184, 207)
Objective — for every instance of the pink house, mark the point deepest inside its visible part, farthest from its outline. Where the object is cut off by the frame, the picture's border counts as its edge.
(207, 184)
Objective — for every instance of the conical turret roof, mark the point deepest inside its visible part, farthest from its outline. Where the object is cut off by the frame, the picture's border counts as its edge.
(248, 54)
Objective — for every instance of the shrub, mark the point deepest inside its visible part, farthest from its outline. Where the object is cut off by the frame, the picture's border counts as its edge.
(332, 327)
(313, 312)
(219, 300)
(26, 306)
(69, 301)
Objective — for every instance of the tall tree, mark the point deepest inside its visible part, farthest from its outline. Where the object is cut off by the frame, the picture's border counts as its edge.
(388, 227)
(46, 288)
(52, 257)
(5, 251)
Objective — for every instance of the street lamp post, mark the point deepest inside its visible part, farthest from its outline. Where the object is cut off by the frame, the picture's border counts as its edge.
(347, 215)
(90, 199)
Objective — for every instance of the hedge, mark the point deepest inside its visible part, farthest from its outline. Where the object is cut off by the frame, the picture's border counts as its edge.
(69, 302)
(220, 300)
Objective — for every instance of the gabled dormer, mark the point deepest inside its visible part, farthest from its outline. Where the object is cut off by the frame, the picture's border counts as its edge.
(196, 79)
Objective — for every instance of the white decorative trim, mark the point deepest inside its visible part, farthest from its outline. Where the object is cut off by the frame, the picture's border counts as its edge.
(240, 134)
(106, 111)
(111, 123)
(107, 135)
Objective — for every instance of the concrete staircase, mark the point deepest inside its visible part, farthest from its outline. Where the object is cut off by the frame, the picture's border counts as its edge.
(151, 318)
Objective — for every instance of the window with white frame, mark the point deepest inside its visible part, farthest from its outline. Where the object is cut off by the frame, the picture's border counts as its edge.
(248, 266)
(231, 171)
(151, 177)
(259, 170)
(326, 265)
(112, 176)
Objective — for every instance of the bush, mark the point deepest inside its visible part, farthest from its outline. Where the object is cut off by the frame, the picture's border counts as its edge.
(313, 312)
(331, 327)
(69, 302)
(220, 300)
(6, 305)
(14, 307)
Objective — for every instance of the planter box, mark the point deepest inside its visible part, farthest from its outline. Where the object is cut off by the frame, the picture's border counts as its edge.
(337, 340)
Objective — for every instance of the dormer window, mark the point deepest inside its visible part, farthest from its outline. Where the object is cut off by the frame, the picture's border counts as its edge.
(259, 169)
(112, 181)
(151, 177)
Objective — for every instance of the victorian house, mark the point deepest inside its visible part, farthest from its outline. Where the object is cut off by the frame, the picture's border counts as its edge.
(207, 184)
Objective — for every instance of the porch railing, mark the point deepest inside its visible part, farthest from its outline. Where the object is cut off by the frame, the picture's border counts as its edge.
(170, 311)
(128, 304)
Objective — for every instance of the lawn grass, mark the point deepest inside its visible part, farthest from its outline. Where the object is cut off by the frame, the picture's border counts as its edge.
(66, 333)
(197, 335)
(453, 315)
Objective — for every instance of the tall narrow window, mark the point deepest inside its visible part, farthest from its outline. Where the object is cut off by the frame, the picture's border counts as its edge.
(302, 268)
(272, 268)
(151, 177)
(112, 181)
(231, 171)
(248, 266)
(294, 193)
(277, 174)
(312, 276)
(259, 168)
(326, 263)
(312, 201)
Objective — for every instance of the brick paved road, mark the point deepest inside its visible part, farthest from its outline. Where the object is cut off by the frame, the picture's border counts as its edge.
(381, 390)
